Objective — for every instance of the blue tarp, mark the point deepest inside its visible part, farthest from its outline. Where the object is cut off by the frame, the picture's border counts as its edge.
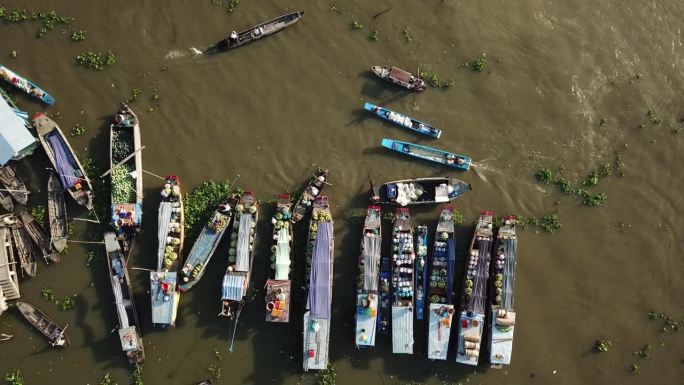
(451, 261)
(320, 291)
(66, 167)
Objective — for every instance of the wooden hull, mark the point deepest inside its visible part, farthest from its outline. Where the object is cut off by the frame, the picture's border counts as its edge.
(74, 179)
(171, 226)
(6, 201)
(400, 77)
(57, 214)
(430, 154)
(367, 291)
(47, 327)
(11, 181)
(312, 190)
(433, 191)
(421, 269)
(25, 250)
(256, 32)
(25, 85)
(404, 121)
(403, 282)
(39, 238)
(278, 286)
(126, 154)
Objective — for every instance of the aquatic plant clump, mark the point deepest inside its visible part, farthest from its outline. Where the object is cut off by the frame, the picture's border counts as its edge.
(479, 64)
(458, 217)
(602, 346)
(96, 60)
(78, 35)
(200, 204)
(78, 130)
(107, 380)
(123, 184)
(38, 212)
(14, 378)
(328, 376)
(67, 303)
(544, 176)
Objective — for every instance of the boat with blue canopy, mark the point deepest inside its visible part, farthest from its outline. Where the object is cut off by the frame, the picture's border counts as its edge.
(25, 85)
(428, 153)
(403, 120)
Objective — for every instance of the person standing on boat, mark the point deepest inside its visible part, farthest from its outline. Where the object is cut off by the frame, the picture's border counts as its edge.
(233, 39)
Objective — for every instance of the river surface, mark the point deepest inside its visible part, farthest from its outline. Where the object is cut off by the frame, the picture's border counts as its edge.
(567, 83)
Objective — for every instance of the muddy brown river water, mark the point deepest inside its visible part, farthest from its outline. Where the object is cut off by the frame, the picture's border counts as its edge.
(566, 84)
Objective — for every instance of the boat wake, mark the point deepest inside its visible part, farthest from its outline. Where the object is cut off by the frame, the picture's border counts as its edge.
(182, 53)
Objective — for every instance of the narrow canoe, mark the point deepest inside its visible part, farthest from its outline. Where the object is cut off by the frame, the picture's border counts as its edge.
(400, 77)
(402, 120)
(256, 32)
(312, 190)
(57, 213)
(25, 250)
(40, 239)
(126, 176)
(11, 181)
(419, 191)
(55, 334)
(25, 85)
(71, 173)
(428, 153)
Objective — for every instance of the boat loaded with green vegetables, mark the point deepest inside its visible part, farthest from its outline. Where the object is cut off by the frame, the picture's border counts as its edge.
(278, 285)
(126, 176)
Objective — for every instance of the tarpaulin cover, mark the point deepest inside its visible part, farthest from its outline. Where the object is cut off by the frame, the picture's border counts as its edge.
(320, 291)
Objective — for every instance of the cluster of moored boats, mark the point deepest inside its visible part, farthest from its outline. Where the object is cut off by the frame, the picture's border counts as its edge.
(415, 280)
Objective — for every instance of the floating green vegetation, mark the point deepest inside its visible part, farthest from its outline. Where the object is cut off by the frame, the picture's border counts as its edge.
(635, 369)
(407, 35)
(544, 176)
(653, 117)
(373, 35)
(96, 60)
(48, 20)
(13, 53)
(47, 294)
(78, 130)
(435, 81)
(592, 200)
(200, 204)
(14, 378)
(602, 346)
(217, 355)
(479, 64)
(355, 25)
(550, 223)
(356, 218)
(669, 323)
(337, 10)
(214, 371)
(66, 303)
(95, 166)
(388, 216)
(136, 376)
(643, 352)
(155, 97)
(564, 186)
(231, 4)
(90, 258)
(458, 217)
(327, 377)
(135, 93)
(107, 380)
(78, 35)
(38, 212)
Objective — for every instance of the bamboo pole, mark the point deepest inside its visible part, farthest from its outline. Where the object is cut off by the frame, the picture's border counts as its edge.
(122, 162)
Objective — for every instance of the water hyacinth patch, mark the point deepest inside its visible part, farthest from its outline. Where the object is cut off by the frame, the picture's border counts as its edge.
(78, 130)
(78, 35)
(479, 64)
(602, 346)
(544, 176)
(14, 378)
(96, 60)
(200, 204)
(38, 212)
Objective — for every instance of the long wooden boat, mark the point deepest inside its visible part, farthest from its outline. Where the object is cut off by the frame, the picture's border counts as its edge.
(440, 293)
(403, 120)
(311, 192)
(240, 260)
(10, 180)
(259, 31)
(430, 154)
(9, 280)
(367, 284)
(474, 299)
(25, 85)
(403, 290)
(23, 246)
(400, 77)
(421, 269)
(164, 295)
(319, 274)
(40, 239)
(385, 305)
(55, 334)
(72, 175)
(501, 290)
(419, 191)
(205, 245)
(126, 176)
(129, 326)
(6, 201)
(278, 285)
(57, 213)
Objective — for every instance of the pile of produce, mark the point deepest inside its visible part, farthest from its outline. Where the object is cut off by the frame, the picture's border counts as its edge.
(123, 185)
(218, 222)
(122, 145)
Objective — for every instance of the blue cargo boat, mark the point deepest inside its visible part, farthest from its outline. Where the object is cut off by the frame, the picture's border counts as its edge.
(421, 269)
(25, 85)
(403, 120)
(428, 153)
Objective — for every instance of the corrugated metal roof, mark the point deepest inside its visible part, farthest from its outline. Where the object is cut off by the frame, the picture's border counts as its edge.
(402, 329)
(14, 137)
(164, 297)
(234, 286)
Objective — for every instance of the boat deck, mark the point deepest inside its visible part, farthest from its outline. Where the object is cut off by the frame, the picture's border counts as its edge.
(470, 332)
(164, 298)
(402, 329)
(366, 319)
(439, 330)
(278, 293)
(316, 339)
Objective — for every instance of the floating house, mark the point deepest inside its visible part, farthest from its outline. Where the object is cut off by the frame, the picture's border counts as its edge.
(16, 141)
